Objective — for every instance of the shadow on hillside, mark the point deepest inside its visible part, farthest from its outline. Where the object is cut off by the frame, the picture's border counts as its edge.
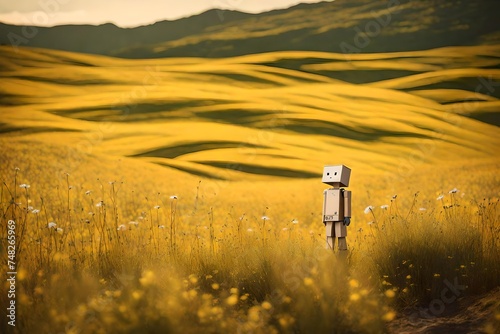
(172, 152)
(234, 116)
(492, 118)
(355, 76)
(192, 171)
(64, 81)
(5, 128)
(12, 100)
(238, 77)
(261, 170)
(131, 112)
(319, 127)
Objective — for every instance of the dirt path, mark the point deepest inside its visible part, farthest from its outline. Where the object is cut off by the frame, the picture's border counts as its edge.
(465, 316)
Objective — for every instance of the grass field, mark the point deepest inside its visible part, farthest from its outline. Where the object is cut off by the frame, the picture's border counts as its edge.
(184, 194)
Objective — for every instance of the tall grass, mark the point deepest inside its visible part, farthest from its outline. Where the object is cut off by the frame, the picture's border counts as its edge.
(114, 261)
(422, 252)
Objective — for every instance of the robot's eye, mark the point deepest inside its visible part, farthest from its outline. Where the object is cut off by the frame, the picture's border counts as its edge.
(335, 173)
(327, 173)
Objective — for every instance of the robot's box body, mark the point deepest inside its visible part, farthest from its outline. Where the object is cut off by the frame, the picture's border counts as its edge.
(334, 175)
(336, 205)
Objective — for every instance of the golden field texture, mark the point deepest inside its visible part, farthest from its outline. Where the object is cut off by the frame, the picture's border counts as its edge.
(184, 195)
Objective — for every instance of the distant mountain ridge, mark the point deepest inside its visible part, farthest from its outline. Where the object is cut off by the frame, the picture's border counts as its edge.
(346, 26)
(107, 38)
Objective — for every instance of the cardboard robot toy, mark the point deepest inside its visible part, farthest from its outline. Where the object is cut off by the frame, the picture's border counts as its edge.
(336, 205)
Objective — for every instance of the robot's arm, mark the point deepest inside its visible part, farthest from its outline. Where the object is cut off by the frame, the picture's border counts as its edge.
(324, 207)
(347, 207)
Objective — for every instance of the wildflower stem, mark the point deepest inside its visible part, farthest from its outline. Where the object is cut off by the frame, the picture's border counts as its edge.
(373, 215)
(412, 205)
(212, 237)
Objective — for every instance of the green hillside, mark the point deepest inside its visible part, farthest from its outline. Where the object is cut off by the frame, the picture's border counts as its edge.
(342, 26)
(360, 26)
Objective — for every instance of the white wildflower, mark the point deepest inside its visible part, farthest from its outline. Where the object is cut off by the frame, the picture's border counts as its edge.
(453, 191)
(52, 225)
(368, 209)
(285, 229)
(30, 207)
(101, 203)
(249, 230)
(384, 207)
(173, 197)
(422, 209)
(35, 211)
(157, 207)
(24, 185)
(370, 223)
(394, 196)
(59, 230)
(122, 227)
(265, 218)
(88, 192)
(440, 197)
(161, 226)
(295, 221)
(133, 223)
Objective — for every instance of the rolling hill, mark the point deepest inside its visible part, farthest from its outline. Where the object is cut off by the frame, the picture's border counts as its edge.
(270, 97)
(247, 118)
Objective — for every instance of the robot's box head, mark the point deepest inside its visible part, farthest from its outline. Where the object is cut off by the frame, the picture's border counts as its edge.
(339, 174)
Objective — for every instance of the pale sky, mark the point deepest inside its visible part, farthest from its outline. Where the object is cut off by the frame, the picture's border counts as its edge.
(124, 13)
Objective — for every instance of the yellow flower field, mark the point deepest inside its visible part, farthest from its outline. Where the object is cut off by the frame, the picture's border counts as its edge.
(184, 195)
